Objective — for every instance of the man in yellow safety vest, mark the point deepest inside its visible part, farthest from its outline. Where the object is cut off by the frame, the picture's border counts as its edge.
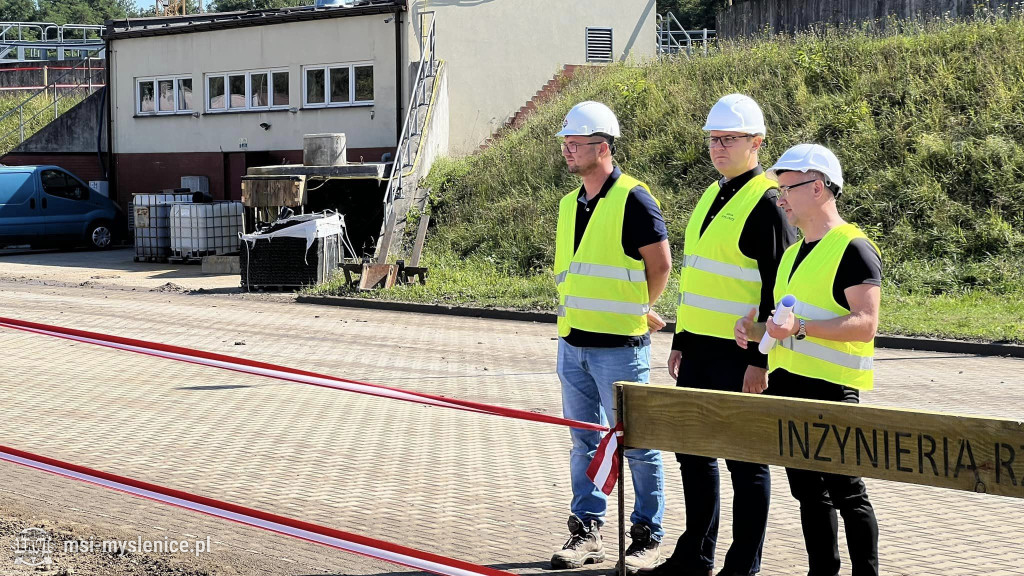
(825, 349)
(733, 243)
(612, 261)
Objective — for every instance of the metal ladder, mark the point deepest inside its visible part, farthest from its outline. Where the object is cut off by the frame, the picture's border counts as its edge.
(413, 130)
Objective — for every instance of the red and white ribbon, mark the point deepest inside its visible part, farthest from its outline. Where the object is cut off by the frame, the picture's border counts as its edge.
(604, 468)
(243, 365)
(370, 547)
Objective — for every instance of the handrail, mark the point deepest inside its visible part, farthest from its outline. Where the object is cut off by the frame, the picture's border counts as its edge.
(425, 69)
(83, 64)
(44, 30)
(670, 30)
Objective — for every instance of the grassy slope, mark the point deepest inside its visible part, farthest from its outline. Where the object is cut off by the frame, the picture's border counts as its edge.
(8, 137)
(928, 123)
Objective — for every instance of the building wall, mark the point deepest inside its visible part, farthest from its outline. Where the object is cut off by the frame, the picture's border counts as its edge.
(84, 165)
(290, 45)
(501, 52)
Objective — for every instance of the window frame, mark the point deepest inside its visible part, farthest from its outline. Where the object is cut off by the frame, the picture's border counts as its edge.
(326, 68)
(69, 183)
(155, 81)
(248, 107)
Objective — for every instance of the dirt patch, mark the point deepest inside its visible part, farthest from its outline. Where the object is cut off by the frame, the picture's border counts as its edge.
(170, 287)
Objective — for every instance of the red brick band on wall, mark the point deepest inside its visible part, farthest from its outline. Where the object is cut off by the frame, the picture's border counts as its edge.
(84, 165)
(147, 173)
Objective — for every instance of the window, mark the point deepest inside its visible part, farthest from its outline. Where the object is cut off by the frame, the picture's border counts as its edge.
(252, 90)
(215, 93)
(599, 45)
(337, 85)
(57, 183)
(236, 91)
(170, 95)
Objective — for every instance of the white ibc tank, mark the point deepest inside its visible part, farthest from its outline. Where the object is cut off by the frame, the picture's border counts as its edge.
(151, 222)
(205, 229)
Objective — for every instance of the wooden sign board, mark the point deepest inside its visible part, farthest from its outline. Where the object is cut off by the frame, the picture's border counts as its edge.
(946, 450)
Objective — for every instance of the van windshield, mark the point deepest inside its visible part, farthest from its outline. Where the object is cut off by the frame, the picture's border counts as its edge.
(15, 187)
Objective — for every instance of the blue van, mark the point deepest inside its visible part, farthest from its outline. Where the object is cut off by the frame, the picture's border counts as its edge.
(49, 206)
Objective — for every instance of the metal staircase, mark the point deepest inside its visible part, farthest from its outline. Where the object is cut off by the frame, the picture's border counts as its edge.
(673, 38)
(44, 106)
(397, 197)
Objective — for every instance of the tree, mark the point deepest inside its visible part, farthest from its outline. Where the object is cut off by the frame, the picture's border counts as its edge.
(244, 5)
(18, 11)
(693, 14)
(84, 11)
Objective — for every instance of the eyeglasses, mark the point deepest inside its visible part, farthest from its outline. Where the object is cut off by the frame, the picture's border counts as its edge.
(784, 190)
(572, 147)
(724, 141)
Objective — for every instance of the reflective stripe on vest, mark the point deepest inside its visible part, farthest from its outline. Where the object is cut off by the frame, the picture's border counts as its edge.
(722, 269)
(812, 312)
(714, 304)
(829, 355)
(603, 271)
(598, 305)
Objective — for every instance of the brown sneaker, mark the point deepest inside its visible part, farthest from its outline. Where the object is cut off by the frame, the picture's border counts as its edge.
(583, 546)
(644, 552)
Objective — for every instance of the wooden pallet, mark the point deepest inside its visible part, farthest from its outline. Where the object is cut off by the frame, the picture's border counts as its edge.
(152, 259)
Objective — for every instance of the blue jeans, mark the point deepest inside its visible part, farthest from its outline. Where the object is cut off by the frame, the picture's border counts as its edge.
(588, 377)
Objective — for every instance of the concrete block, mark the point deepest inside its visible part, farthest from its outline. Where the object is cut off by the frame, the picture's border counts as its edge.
(221, 265)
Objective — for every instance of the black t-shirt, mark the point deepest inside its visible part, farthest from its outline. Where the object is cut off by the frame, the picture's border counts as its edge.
(861, 264)
(766, 235)
(643, 225)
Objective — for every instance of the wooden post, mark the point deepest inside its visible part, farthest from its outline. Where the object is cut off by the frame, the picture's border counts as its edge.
(421, 236)
(622, 479)
(384, 247)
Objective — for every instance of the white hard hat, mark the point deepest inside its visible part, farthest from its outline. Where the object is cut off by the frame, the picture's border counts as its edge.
(736, 113)
(588, 118)
(805, 157)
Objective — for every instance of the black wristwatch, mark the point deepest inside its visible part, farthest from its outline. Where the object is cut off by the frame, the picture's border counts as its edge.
(802, 332)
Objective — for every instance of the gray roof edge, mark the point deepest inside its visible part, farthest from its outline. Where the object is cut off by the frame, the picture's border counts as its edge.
(129, 28)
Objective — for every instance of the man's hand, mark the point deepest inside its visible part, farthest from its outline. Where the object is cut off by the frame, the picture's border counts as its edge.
(654, 321)
(787, 329)
(742, 330)
(755, 380)
(675, 358)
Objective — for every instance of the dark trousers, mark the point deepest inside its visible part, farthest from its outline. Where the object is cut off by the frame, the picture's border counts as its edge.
(820, 495)
(751, 484)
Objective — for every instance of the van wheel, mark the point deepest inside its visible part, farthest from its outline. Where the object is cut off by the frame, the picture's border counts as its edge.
(101, 236)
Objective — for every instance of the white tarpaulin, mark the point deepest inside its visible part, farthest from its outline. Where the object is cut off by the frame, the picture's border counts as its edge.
(332, 225)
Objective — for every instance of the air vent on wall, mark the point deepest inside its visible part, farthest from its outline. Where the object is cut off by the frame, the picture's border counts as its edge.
(599, 44)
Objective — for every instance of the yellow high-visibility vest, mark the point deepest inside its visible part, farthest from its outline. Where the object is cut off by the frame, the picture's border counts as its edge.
(718, 284)
(600, 288)
(844, 363)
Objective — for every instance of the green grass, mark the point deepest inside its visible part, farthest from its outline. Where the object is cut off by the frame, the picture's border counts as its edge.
(969, 315)
(42, 110)
(928, 121)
